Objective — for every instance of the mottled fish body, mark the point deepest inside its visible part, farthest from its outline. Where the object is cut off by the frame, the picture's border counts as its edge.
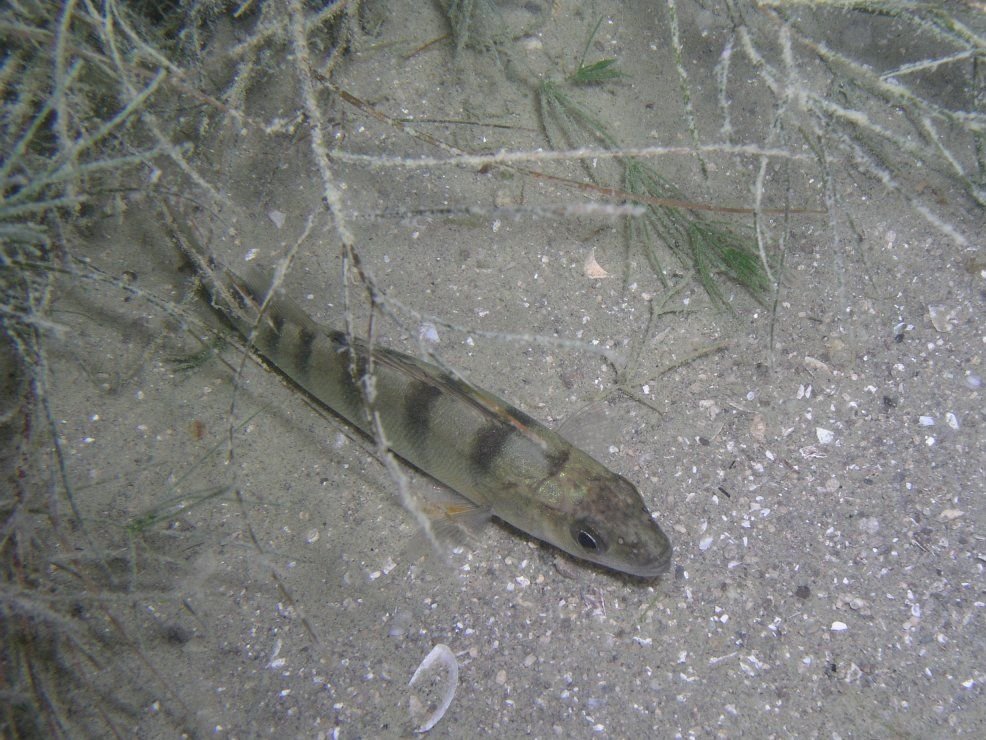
(491, 453)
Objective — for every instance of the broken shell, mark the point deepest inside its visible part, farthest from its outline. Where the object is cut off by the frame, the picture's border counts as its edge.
(437, 687)
(758, 428)
(428, 332)
(592, 269)
(941, 318)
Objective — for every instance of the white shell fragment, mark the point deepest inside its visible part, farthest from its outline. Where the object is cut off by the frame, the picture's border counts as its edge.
(277, 217)
(428, 332)
(436, 678)
(941, 318)
(825, 436)
(593, 269)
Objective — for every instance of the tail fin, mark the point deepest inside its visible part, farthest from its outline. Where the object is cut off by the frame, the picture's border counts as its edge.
(245, 300)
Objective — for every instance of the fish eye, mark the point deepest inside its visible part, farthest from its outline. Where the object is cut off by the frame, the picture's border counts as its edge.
(587, 537)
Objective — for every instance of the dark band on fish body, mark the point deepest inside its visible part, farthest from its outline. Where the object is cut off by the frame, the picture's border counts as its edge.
(352, 397)
(241, 300)
(418, 406)
(487, 446)
(245, 290)
(348, 377)
(346, 356)
(303, 352)
(250, 290)
(339, 341)
(556, 460)
(275, 329)
(359, 366)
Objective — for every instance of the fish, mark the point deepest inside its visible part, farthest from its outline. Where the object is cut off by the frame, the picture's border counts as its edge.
(501, 459)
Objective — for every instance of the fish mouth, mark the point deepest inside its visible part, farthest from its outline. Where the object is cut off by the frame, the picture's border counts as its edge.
(651, 568)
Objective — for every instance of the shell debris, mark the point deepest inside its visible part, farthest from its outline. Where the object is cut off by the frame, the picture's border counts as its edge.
(943, 319)
(437, 679)
(592, 269)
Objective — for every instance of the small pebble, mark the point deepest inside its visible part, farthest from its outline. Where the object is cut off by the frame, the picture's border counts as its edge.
(592, 269)
(825, 436)
(428, 332)
(869, 524)
(941, 318)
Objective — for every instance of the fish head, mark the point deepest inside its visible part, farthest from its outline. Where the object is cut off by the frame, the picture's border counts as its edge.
(601, 517)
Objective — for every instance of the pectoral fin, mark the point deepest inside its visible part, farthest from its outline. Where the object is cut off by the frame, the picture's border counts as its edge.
(455, 521)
